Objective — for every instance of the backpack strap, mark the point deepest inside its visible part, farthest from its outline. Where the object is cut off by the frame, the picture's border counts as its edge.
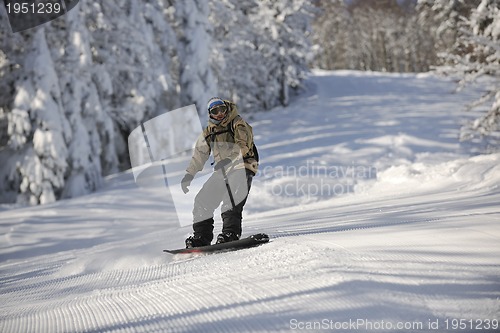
(230, 129)
(211, 136)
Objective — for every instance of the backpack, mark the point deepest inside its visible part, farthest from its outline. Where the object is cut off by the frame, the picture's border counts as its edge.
(255, 151)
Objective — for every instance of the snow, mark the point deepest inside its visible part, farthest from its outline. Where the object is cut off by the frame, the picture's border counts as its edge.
(410, 242)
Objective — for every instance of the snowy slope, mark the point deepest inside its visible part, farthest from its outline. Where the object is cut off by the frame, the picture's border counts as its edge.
(403, 237)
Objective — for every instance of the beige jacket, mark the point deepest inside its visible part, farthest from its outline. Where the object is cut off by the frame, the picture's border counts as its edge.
(219, 140)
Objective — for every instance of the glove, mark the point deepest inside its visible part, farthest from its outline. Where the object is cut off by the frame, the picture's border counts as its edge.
(185, 182)
(222, 164)
(249, 173)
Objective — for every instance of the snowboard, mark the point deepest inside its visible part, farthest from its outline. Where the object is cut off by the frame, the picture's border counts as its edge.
(243, 243)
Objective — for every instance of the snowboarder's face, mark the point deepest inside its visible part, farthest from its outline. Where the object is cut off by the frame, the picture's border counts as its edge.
(218, 112)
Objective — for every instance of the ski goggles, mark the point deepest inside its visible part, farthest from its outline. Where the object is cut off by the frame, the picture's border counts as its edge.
(219, 109)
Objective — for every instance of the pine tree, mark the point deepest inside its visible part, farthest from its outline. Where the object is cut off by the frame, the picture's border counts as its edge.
(476, 58)
(285, 27)
(91, 150)
(132, 46)
(484, 39)
(238, 64)
(38, 129)
(439, 22)
(196, 78)
(259, 63)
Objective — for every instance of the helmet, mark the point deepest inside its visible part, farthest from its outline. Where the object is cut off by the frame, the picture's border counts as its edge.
(213, 102)
(217, 110)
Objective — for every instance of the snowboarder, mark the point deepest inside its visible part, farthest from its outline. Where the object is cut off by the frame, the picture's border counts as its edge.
(226, 137)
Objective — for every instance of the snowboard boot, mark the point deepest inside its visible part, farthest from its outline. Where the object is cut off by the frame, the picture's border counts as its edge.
(196, 241)
(227, 237)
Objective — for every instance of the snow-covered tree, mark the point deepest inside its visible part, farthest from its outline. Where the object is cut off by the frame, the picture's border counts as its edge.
(35, 159)
(439, 21)
(91, 150)
(79, 85)
(476, 58)
(372, 35)
(132, 45)
(484, 40)
(287, 25)
(196, 78)
(261, 49)
(330, 37)
(236, 57)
